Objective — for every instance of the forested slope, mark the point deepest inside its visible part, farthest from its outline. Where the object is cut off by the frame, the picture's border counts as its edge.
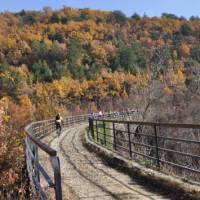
(84, 60)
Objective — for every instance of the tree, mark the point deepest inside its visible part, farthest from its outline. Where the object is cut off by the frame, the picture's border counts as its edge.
(133, 58)
(186, 30)
(55, 18)
(136, 16)
(159, 60)
(59, 36)
(184, 50)
(127, 59)
(75, 51)
(60, 70)
(64, 20)
(11, 79)
(29, 19)
(56, 53)
(92, 72)
(177, 38)
(169, 16)
(40, 50)
(118, 17)
(11, 151)
(192, 70)
(194, 18)
(3, 68)
(195, 53)
(41, 72)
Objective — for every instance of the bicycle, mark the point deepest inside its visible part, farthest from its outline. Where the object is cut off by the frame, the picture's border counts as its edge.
(58, 128)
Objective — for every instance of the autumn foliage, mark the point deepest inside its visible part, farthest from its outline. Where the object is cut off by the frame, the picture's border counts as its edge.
(79, 61)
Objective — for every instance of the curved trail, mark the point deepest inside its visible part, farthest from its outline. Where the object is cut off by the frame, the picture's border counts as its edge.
(86, 175)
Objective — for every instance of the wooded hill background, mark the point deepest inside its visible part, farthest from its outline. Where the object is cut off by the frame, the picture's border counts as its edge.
(75, 61)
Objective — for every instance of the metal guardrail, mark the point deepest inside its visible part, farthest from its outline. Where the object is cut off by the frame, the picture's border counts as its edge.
(172, 148)
(35, 131)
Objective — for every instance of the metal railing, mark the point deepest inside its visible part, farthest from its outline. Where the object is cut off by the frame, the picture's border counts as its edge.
(38, 130)
(172, 148)
(35, 131)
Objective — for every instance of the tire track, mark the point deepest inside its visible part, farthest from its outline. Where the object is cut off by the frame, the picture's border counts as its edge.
(88, 179)
(81, 172)
(68, 192)
(107, 174)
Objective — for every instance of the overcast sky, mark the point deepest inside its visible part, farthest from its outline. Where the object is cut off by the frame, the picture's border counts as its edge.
(184, 8)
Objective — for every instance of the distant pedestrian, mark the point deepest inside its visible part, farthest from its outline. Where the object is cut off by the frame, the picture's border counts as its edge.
(100, 113)
(58, 122)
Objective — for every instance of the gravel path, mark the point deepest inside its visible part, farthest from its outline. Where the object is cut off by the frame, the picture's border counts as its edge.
(84, 176)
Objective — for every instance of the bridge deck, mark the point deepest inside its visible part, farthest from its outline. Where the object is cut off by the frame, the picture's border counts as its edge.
(84, 175)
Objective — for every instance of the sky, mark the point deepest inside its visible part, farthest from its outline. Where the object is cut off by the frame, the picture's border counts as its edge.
(184, 8)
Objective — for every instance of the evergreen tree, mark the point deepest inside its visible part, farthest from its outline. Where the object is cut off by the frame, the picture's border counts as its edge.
(75, 51)
(42, 72)
(117, 16)
(133, 58)
(136, 16)
(195, 53)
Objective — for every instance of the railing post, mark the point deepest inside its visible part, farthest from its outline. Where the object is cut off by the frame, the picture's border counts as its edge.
(91, 127)
(53, 127)
(29, 166)
(129, 140)
(114, 136)
(57, 177)
(37, 172)
(157, 151)
(104, 132)
(97, 131)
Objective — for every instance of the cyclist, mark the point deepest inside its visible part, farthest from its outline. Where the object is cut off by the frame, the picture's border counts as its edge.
(58, 122)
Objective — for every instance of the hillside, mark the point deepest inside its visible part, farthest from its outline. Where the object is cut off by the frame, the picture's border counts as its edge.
(85, 60)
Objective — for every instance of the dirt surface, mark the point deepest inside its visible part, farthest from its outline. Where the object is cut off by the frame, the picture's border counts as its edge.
(85, 176)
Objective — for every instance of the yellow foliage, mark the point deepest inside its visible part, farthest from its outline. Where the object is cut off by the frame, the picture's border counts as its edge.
(178, 77)
(168, 91)
(184, 50)
(25, 102)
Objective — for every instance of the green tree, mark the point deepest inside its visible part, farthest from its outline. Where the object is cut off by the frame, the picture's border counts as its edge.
(4, 67)
(169, 16)
(186, 30)
(64, 20)
(10, 80)
(118, 17)
(75, 51)
(60, 70)
(177, 38)
(55, 18)
(195, 53)
(136, 16)
(194, 18)
(92, 72)
(42, 72)
(40, 51)
(192, 71)
(29, 19)
(133, 58)
(159, 60)
(56, 53)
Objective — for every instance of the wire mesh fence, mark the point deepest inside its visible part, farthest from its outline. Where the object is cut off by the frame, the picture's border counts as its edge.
(172, 148)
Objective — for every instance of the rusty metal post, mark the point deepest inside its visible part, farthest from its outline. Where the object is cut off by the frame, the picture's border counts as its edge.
(104, 132)
(91, 126)
(57, 177)
(37, 172)
(97, 131)
(129, 140)
(156, 142)
(114, 137)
